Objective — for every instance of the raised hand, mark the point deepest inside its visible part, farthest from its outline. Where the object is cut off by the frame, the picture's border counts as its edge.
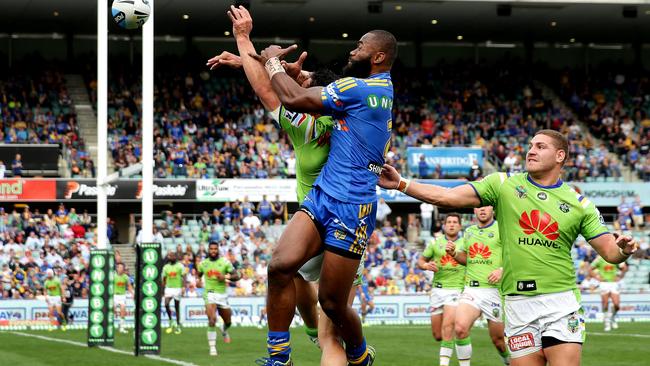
(225, 58)
(273, 51)
(293, 69)
(242, 23)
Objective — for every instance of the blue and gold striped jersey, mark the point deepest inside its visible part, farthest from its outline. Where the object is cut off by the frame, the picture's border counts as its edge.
(362, 112)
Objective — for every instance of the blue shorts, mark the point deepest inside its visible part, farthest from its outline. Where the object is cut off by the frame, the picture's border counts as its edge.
(344, 227)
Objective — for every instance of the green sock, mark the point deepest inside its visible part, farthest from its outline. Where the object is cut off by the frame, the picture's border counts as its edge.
(312, 332)
(504, 354)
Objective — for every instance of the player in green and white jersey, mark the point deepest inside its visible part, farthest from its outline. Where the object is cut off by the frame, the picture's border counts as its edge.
(173, 279)
(448, 279)
(609, 276)
(540, 218)
(121, 285)
(214, 271)
(309, 136)
(54, 295)
(482, 259)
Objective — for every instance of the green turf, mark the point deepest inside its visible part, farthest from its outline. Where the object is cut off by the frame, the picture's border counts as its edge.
(396, 345)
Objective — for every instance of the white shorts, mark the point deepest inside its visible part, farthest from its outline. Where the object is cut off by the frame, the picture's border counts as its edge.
(529, 318)
(609, 288)
(487, 300)
(310, 271)
(119, 300)
(441, 297)
(174, 293)
(221, 300)
(53, 300)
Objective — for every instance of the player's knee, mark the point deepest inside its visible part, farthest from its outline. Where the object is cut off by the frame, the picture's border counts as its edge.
(461, 331)
(329, 305)
(279, 272)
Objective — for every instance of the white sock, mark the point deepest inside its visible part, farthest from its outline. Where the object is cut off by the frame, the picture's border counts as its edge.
(445, 355)
(212, 339)
(122, 321)
(464, 353)
(606, 317)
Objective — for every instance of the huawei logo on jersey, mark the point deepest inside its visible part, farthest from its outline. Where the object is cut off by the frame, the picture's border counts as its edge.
(481, 250)
(447, 259)
(213, 273)
(172, 274)
(540, 222)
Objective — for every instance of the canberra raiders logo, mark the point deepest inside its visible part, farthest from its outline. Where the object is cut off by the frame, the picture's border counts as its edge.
(573, 323)
(521, 192)
(564, 207)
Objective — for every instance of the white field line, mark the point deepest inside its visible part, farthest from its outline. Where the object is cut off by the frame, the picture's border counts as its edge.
(109, 349)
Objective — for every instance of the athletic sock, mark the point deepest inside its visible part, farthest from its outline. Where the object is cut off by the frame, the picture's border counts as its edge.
(464, 351)
(446, 351)
(505, 356)
(279, 346)
(212, 337)
(357, 355)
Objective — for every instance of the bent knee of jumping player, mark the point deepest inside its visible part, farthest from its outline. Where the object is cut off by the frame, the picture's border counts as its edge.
(461, 330)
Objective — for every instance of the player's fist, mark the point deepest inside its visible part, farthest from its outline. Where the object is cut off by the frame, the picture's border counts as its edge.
(225, 58)
(451, 248)
(495, 276)
(242, 23)
(389, 178)
(627, 244)
(430, 266)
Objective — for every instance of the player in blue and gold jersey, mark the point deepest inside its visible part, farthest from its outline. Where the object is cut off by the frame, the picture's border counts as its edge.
(340, 209)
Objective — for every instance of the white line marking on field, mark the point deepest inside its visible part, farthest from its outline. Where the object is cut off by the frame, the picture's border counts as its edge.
(618, 334)
(109, 349)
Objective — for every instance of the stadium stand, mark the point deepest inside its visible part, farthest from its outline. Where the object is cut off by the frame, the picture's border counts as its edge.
(36, 108)
(210, 124)
(61, 238)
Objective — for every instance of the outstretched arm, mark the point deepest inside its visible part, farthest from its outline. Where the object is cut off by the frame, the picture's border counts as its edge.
(292, 95)
(242, 25)
(457, 197)
(614, 249)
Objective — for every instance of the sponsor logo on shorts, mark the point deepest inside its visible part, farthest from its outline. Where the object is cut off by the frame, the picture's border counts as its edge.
(340, 235)
(495, 312)
(573, 323)
(519, 342)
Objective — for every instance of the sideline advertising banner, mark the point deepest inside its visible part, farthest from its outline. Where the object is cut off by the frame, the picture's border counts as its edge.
(397, 308)
(228, 190)
(24, 190)
(453, 160)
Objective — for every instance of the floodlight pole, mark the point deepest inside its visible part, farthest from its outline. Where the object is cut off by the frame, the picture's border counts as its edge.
(147, 126)
(102, 132)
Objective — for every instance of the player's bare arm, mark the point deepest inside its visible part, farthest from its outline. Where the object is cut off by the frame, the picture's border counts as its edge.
(426, 264)
(614, 250)
(291, 94)
(461, 196)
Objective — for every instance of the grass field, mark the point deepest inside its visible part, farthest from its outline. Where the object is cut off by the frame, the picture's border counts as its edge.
(396, 345)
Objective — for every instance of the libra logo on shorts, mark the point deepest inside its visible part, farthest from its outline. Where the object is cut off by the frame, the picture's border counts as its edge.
(540, 222)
